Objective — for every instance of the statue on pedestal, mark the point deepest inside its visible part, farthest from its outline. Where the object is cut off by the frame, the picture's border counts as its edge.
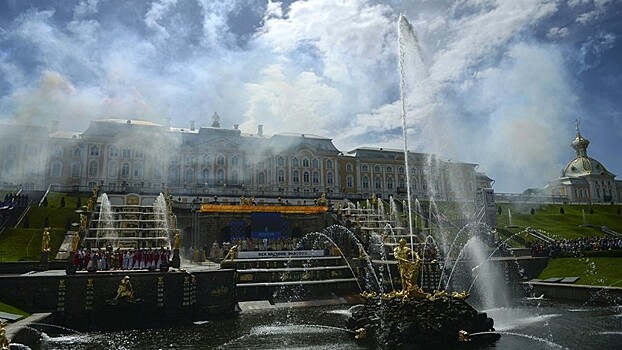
(45, 242)
(177, 241)
(125, 290)
(409, 270)
(4, 342)
(75, 242)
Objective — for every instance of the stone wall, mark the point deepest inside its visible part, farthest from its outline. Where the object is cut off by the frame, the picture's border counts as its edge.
(83, 300)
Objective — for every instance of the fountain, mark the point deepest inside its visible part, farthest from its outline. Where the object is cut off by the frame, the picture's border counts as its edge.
(510, 224)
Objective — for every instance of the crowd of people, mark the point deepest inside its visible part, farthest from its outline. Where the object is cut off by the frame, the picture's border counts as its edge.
(132, 259)
(555, 248)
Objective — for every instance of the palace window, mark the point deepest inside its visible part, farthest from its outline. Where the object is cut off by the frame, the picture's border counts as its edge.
(58, 151)
(56, 169)
(295, 176)
(365, 182)
(125, 170)
(93, 168)
(329, 178)
(126, 153)
(377, 169)
(280, 161)
(305, 176)
(348, 167)
(295, 162)
(365, 168)
(138, 170)
(94, 151)
(305, 162)
(316, 163)
(349, 181)
(389, 183)
(207, 159)
(113, 152)
(221, 160)
(112, 169)
(329, 164)
(378, 183)
(75, 169)
(316, 177)
(205, 176)
(281, 175)
(76, 152)
(189, 177)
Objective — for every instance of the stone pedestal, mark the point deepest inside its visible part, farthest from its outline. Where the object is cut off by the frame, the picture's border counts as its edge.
(44, 263)
(176, 261)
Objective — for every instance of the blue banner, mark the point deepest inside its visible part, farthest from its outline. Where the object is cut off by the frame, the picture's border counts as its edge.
(266, 225)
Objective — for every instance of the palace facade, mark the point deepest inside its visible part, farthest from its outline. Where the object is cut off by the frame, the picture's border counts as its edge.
(138, 155)
(585, 179)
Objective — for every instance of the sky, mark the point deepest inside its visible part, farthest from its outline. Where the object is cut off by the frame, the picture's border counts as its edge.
(496, 83)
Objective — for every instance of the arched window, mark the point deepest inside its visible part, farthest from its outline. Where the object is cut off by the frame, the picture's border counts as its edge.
(295, 176)
(402, 182)
(316, 177)
(76, 169)
(221, 176)
(378, 183)
(77, 152)
(261, 178)
(365, 168)
(377, 169)
(281, 175)
(305, 162)
(365, 182)
(125, 170)
(138, 170)
(93, 168)
(389, 169)
(348, 167)
(126, 153)
(56, 168)
(235, 177)
(113, 170)
(329, 164)
(280, 161)
(205, 176)
(221, 160)
(234, 160)
(173, 174)
(349, 181)
(189, 177)
(329, 178)
(316, 163)
(305, 176)
(295, 162)
(389, 183)
(400, 170)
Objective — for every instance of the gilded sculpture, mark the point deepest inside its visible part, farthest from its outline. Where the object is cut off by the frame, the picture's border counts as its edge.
(45, 241)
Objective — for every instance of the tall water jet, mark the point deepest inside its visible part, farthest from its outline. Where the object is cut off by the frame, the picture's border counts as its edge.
(406, 39)
(105, 225)
(160, 210)
(510, 224)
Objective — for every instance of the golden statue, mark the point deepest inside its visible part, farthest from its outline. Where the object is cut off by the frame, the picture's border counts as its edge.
(75, 242)
(409, 270)
(322, 200)
(45, 243)
(90, 205)
(125, 289)
(4, 342)
(463, 336)
(176, 240)
(231, 253)
(95, 192)
(243, 201)
(83, 222)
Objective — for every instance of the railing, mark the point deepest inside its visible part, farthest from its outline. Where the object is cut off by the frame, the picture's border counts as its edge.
(529, 198)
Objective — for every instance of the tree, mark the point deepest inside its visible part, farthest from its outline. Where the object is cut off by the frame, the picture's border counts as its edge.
(561, 210)
(46, 222)
(499, 210)
(591, 210)
(533, 211)
(62, 202)
(79, 203)
(618, 211)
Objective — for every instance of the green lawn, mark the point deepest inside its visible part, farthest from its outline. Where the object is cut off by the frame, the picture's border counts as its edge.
(591, 271)
(11, 309)
(568, 225)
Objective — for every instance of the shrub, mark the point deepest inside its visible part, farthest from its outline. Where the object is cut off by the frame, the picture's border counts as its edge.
(62, 202)
(561, 210)
(533, 211)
